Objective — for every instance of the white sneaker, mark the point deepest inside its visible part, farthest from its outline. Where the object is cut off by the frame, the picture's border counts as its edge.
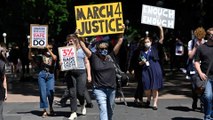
(83, 110)
(73, 116)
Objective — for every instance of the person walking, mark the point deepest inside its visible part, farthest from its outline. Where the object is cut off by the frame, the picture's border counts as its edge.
(46, 81)
(76, 79)
(152, 77)
(3, 80)
(203, 59)
(193, 44)
(104, 75)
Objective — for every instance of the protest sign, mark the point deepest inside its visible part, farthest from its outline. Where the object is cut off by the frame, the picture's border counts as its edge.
(67, 56)
(38, 36)
(99, 19)
(158, 16)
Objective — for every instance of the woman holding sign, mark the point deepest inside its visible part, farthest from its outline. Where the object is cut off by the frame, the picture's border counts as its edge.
(104, 75)
(76, 78)
(152, 76)
(45, 61)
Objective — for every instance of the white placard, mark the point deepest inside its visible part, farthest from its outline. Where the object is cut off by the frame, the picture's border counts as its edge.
(38, 36)
(158, 16)
(68, 59)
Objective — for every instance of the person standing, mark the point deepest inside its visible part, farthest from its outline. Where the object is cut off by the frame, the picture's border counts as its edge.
(3, 80)
(103, 75)
(45, 61)
(76, 79)
(203, 58)
(152, 76)
(193, 44)
(137, 73)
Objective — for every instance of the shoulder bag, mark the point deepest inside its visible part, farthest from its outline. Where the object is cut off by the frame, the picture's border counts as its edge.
(199, 83)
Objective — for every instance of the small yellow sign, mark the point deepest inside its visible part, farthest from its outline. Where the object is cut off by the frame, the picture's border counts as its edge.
(99, 19)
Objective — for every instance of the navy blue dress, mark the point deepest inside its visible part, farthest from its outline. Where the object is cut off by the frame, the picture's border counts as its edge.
(152, 76)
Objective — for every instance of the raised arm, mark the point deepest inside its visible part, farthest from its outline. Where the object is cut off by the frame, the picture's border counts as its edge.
(49, 47)
(161, 35)
(84, 47)
(118, 45)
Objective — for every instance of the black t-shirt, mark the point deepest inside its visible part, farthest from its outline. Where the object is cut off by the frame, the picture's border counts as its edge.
(103, 71)
(2, 72)
(204, 54)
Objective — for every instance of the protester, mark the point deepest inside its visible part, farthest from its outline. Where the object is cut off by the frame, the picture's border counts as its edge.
(13, 57)
(24, 60)
(199, 34)
(137, 73)
(46, 80)
(76, 79)
(104, 77)
(179, 53)
(203, 58)
(3, 79)
(151, 72)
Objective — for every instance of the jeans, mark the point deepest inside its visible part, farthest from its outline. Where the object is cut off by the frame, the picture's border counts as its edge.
(106, 101)
(207, 100)
(46, 82)
(76, 84)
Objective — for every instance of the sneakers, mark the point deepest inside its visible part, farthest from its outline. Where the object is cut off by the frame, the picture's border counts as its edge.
(73, 116)
(83, 110)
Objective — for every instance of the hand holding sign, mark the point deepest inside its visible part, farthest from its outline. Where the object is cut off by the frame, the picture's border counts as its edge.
(99, 19)
(68, 58)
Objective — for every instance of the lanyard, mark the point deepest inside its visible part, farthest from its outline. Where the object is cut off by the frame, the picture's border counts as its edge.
(146, 54)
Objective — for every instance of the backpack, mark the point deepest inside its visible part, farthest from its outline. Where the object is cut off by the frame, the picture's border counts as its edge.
(189, 64)
(122, 78)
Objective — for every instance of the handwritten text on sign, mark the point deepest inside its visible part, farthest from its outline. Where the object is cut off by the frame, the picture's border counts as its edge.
(99, 19)
(68, 58)
(157, 16)
(39, 35)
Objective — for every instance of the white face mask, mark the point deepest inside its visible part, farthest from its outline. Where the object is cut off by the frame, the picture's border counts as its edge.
(147, 45)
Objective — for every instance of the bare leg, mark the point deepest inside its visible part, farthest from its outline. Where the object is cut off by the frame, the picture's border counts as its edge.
(155, 98)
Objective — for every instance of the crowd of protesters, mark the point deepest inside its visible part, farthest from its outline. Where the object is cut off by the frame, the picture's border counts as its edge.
(145, 58)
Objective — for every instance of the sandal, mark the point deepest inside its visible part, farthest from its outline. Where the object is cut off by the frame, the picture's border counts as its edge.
(44, 114)
(155, 108)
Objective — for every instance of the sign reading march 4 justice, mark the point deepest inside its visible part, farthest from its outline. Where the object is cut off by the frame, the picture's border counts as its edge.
(38, 36)
(67, 56)
(158, 16)
(99, 19)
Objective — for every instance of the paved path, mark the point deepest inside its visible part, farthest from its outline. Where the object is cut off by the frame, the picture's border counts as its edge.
(174, 102)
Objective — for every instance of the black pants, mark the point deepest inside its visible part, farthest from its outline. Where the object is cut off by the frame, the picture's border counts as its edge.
(194, 94)
(66, 96)
(76, 84)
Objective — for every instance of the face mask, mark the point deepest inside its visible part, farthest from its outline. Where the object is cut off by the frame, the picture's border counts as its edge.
(211, 37)
(147, 45)
(103, 52)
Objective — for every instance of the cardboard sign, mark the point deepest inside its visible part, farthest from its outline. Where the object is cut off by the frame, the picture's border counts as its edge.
(158, 16)
(38, 36)
(99, 19)
(68, 58)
